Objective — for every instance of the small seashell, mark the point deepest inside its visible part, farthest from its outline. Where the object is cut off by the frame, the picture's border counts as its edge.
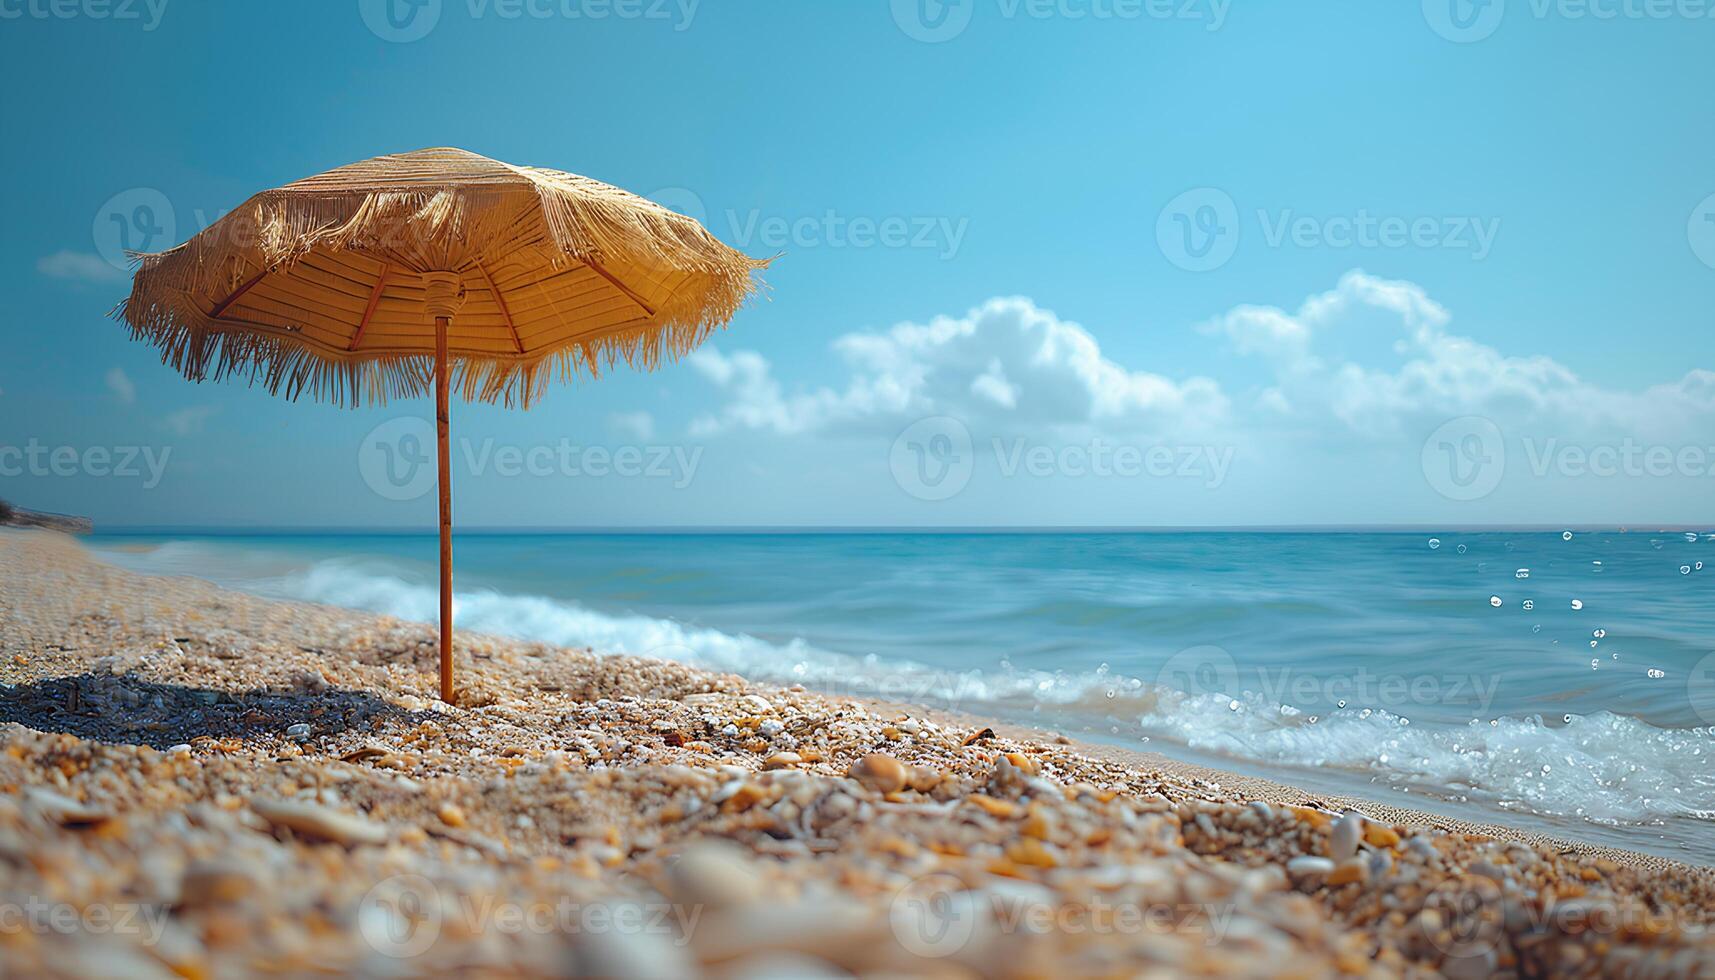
(319, 822)
(62, 810)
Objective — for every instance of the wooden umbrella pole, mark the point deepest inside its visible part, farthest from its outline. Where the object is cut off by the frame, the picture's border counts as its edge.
(445, 481)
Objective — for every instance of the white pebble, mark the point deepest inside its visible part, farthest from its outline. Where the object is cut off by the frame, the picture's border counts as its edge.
(1348, 830)
(1309, 864)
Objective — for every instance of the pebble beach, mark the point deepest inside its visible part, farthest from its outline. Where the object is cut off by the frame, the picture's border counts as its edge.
(196, 782)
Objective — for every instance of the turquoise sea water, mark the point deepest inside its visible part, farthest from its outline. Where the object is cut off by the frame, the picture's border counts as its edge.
(1561, 682)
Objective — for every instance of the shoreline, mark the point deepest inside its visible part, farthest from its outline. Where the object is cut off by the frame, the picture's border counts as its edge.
(1675, 838)
(1276, 791)
(291, 732)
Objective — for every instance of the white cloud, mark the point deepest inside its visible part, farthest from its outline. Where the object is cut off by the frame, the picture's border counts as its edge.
(121, 387)
(1370, 359)
(634, 425)
(1007, 362)
(80, 266)
(1438, 374)
(186, 421)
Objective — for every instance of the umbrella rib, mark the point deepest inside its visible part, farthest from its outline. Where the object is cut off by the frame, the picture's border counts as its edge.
(500, 301)
(369, 310)
(622, 287)
(238, 293)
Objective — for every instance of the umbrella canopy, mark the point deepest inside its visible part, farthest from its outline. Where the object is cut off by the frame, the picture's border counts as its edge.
(435, 270)
(320, 286)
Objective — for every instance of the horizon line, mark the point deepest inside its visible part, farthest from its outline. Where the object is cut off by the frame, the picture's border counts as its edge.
(787, 529)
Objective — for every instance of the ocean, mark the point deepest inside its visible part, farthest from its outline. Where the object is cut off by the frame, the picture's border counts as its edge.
(1559, 681)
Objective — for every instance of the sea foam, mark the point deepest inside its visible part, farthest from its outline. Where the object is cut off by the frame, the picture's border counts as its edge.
(1601, 766)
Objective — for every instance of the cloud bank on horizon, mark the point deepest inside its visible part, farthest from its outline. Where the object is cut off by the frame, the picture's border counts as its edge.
(1364, 395)
(1013, 366)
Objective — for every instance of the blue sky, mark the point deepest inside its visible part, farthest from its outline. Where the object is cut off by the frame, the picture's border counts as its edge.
(1435, 274)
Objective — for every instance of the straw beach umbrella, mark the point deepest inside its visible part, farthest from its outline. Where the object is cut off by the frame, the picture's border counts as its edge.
(435, 270)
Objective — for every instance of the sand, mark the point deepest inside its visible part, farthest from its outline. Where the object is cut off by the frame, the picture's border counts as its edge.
(198, 782)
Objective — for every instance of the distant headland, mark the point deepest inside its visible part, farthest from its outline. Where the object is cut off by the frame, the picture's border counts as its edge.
(12, 515)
